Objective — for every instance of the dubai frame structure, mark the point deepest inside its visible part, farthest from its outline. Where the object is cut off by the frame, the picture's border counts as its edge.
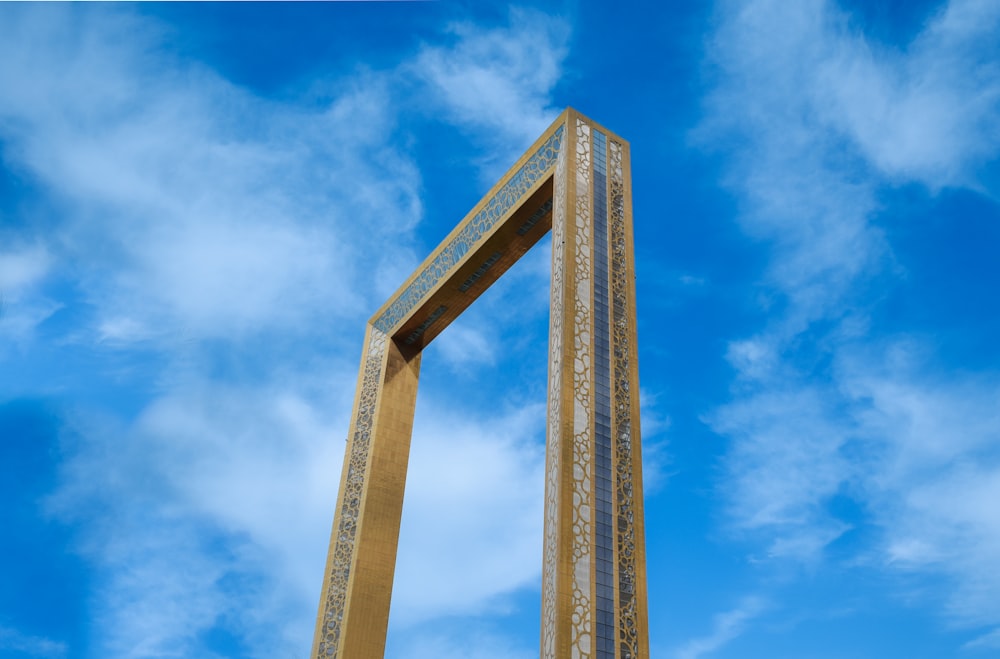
(575, 180)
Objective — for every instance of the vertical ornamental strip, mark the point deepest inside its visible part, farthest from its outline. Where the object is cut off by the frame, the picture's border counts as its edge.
(575, 180)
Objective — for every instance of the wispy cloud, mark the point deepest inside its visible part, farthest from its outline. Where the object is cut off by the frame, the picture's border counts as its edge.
(499, 80)
(170, 196)
(472, 526)
(725, 628)
(821, 121)
(25, 645)
(933, 471)
(185, 515)
(23, 267)
(469, 642)
(989, 641)
(785, 464)
(22, 272)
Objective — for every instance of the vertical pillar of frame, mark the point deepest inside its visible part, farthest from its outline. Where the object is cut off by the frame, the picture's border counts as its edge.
(354, 604)
(567, 572)
(593, 581)
(557, 567)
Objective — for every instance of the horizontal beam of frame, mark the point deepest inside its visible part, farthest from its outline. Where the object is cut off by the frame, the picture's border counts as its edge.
(507, 222)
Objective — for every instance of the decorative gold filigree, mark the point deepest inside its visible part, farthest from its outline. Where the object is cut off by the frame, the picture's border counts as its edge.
(537, 167)
(347, 518)
(627, 616)
(581, 640)
(550, 561)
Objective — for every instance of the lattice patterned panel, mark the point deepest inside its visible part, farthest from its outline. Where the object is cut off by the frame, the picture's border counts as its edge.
(627, 618)
(347, 517)
(582, 624)
(538, 166)
(553, 449)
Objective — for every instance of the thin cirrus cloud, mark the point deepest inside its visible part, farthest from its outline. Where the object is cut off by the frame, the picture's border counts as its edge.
(482, 484)
(935, 479)
(821, 120)
(170, 186)
(499, 81)
(726, 627)
(468, 643)
(12, 640)
(23, 268)
(190, 218)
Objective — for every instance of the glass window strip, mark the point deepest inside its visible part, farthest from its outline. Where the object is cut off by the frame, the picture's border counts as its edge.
(603, 537)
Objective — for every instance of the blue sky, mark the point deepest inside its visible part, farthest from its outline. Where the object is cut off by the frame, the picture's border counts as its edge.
(202, 204)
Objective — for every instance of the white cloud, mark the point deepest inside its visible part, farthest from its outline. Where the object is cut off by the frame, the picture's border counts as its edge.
(464, 344)
(821, 119)
(189, 203)
(934, 473)
(827, 113)
(499, 80)
(22, 271)
(726, 627)
(799, 185)
(909, 112)
(22, 268)
(213, 511)
(472, 521)
(990, 640)
(466, 643)
(784, 466)
(656, 457)
(247, 458)
(210, 512)
(25, 645)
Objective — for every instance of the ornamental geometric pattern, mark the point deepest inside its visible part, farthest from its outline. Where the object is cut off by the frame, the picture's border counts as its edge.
(458, 246)
(575, 181)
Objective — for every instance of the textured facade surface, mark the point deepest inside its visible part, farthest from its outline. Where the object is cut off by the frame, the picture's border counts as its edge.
(352, 487)
(575, 181)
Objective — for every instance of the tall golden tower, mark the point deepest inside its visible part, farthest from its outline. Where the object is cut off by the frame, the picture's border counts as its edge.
(576, 181)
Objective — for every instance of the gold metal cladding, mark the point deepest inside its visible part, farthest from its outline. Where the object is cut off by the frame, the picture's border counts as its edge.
(554, 444)
(554, 185)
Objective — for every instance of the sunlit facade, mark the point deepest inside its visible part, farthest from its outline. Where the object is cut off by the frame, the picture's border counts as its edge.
(574, 181)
